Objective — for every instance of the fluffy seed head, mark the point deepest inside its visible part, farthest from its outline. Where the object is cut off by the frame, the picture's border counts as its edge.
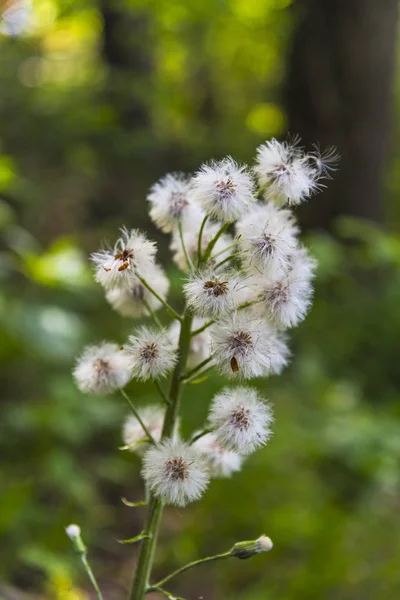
(113, 268)
(132, 432)
(102, 369)
(244, 347)
(240, 419)
(286, 172)
(151, 353)
(131, 298)
(223, 189)
(285, 301)
(211, 294)
(222, 462)
(73, 531)
(170, 203)
(175, 472)
(267, 235)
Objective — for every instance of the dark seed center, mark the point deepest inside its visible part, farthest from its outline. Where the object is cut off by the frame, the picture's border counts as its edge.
(176, 468)
(240, 418)
(216, 288)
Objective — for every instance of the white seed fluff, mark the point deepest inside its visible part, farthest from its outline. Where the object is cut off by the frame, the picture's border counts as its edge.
(131, 298)
(213, 294)
(223, 189)
(244, 347)
(132, 432)
(102, 369)
(170, 203)
(223, 247)
(151, 353)
(286, 172)
(131, 251)
(240, 419)
(200, 344)
(175, 472)
(73, 531)
(285, 301)
(267, 235)
(222, 462)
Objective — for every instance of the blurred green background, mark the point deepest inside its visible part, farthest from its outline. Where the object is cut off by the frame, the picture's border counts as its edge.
(98, 98)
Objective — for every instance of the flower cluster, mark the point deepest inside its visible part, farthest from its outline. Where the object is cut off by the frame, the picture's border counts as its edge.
(246, 280)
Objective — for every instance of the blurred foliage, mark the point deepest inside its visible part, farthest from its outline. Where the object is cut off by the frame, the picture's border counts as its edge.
(87, 123)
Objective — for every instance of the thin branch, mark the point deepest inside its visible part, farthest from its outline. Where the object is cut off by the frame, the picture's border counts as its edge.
(199, 435)
(135, 412)
(161, 392)
(210, 247)
(227, 259)
(196, 369)
(194, 564)
(200, 240)
(187, 257)
(203, 327)
(152, 313)
(169, 308)
(199, 377)
(213, 256)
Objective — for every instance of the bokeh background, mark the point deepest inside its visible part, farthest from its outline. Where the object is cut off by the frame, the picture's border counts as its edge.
(98, 98)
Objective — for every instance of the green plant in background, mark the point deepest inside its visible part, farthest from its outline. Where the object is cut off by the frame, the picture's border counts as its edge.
(246, 291)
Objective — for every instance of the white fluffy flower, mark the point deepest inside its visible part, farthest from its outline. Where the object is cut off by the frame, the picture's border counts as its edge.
(170, 203)
(73, 531)
(286, 172)
(151, 352)
(286, 300)
(131, 251)
(223, 247)
(199, 345)
(131, 298)
(224, 189)
(267, 235)
(211, 294)
(175, 472)
(222, 462)
(132, 432)
(102, 369)
(245, 347)
(240, 419)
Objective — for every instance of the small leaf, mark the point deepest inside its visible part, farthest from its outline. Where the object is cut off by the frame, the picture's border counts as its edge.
(133, 504)
(137, 538)
(199, 380)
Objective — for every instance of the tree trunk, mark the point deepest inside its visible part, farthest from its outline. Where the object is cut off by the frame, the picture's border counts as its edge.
(339, 91)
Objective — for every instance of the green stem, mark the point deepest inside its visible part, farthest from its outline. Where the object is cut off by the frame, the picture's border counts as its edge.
(169, 308)
(152, 313)
(227, 259)
(91, 575)
(161, 391)
(200, 240)
(195, 563)
(210, 247)
(138, 417)
(203, 327)
(199, 435)
(196, 369)
(214, 256)
(187, 257)
(152, 524)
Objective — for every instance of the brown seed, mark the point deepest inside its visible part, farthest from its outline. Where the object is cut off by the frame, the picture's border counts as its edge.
(234, 365)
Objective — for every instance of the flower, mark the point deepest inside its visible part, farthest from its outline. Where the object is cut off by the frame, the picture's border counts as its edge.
(102, 369)
(175, 472)
(73, 531)
(133, 298)
(151, 352)
(170, 203)
(224, 189)
(223, 247)
(240, 419)
(245, 347)
(286, 172)
(222, 462)
(286, 300)
(199, 345)
(211, 294)
(132, 431)
(248, 549)
(132, 251)
(267, 235)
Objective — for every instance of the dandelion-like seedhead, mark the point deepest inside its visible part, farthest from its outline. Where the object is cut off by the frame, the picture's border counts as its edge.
(245, 279)
(175, 472)
(151, 352)
(240, 419)
(244, 347)
(102, 369)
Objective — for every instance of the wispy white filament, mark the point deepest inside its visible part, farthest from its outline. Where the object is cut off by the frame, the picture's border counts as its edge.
(151, 352)
(102, 369)
(222, 461)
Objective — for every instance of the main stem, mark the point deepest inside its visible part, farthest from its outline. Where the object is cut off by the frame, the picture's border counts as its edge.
(153, 518)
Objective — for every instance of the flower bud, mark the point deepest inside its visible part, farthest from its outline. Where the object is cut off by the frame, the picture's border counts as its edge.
(249, 548)
(74, 534)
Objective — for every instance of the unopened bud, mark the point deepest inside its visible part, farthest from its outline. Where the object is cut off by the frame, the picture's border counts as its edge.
(74, 534)
(249, 548)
